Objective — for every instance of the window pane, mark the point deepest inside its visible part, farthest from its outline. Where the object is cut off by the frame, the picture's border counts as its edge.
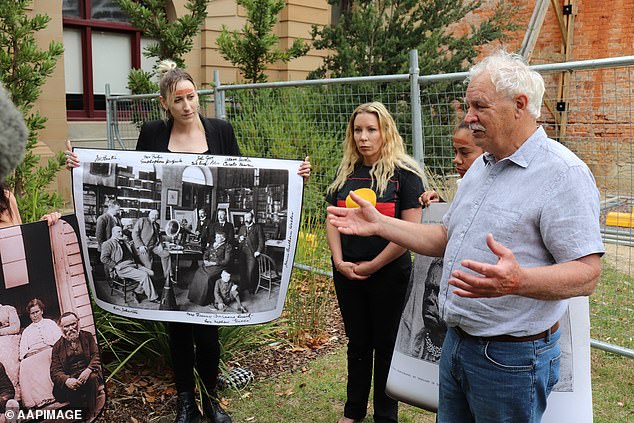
(74, 102)
(71, 8)
(107, 10)
(99, 101)
(73, 73)
(13, 259)
(147, 63)
(111, 62)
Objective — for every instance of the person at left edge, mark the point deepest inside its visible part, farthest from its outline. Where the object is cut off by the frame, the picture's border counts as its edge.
(13, 138)
(186, 131)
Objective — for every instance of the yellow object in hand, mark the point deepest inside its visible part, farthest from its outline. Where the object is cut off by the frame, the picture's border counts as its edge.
(365, 193)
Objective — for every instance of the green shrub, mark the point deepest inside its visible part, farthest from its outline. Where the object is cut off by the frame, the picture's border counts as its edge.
(24, 68)
(310, 291)
(124, 340)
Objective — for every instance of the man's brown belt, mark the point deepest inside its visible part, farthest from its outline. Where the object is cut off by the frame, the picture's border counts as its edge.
(509, 338)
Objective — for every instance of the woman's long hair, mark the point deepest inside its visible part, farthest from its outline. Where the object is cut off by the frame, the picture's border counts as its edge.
(393, 152)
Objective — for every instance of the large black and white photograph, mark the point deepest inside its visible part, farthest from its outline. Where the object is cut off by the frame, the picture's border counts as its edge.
(49, 360)
(413, 376)
(187, 237)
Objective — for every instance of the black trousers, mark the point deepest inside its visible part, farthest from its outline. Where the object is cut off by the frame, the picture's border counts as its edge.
(371, 311)
(248, 271)
(194, 345)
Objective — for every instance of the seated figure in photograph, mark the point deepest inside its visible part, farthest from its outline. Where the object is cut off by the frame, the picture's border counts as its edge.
(421, 330)
(76, 368)
(225, 292)
(216, 259)
(117, 255)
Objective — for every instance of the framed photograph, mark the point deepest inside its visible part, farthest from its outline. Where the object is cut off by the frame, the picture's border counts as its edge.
(183, 216)
(237, 217)
(101, 169)
(172, 197)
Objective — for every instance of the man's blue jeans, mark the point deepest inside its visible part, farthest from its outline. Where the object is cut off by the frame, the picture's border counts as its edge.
(484, 381)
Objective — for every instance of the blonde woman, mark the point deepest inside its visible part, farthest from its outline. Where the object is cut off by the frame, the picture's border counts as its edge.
(371, 274)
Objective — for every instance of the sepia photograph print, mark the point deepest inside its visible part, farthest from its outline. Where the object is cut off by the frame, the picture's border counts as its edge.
(49, 361)
(188, 237)
(413, 376)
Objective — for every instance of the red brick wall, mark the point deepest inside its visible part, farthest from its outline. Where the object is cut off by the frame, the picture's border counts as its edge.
(603, 28)
(600, 119)
(514, 40)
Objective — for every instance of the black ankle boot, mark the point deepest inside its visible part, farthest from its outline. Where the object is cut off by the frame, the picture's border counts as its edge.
(186, 409)
(214, 412)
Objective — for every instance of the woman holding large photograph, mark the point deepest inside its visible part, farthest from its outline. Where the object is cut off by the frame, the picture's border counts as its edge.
(370, 273)
(186, 131)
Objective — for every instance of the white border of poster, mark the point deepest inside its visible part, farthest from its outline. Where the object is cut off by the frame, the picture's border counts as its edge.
(414, 380)
(162, 164)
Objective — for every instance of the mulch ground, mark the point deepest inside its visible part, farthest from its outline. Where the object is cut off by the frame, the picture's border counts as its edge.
(143, 393)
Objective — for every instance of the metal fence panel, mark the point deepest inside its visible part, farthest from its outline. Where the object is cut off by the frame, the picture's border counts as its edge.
(587, 107)
(598, 125)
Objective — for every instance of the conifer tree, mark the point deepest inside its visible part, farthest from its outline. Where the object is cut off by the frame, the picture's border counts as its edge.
(374, 37)
(24, 68)
(253, 49)
(173, 39)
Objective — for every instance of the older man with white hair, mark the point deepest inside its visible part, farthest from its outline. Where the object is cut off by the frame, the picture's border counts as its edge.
(521, 237)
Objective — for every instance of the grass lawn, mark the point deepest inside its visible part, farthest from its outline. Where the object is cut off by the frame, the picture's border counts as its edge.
(611, 307)
(317, 394)
(612, 387)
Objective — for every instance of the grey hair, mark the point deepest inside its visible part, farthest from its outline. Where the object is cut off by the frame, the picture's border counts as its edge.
(511, 76)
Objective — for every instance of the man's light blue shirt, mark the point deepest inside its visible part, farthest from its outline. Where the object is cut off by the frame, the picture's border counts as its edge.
(542, 202)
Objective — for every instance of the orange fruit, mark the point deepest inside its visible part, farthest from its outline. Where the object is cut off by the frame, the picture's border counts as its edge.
(365, 193)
